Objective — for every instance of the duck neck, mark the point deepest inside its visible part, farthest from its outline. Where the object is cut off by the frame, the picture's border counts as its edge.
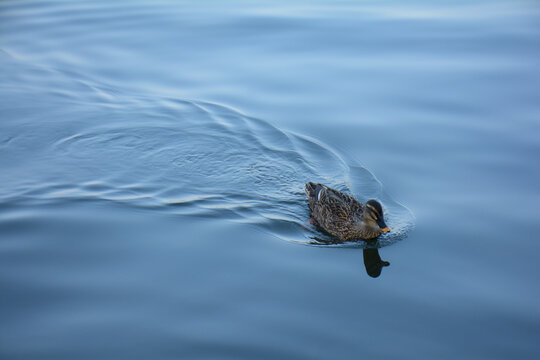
(368, 229)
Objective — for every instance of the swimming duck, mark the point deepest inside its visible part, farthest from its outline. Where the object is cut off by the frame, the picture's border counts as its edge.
(342, 215)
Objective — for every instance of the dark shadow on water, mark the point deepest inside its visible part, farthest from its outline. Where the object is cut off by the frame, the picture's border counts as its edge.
(372, 260)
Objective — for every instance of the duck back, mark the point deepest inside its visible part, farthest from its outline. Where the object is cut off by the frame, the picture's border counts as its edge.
(337, 212)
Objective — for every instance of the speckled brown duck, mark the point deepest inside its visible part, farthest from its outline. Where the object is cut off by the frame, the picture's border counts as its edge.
(343, 216)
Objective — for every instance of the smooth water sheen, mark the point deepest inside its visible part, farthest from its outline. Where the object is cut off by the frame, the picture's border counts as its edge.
(153, 158)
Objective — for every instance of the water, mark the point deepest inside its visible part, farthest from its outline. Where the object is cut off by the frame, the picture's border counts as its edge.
(153, 159)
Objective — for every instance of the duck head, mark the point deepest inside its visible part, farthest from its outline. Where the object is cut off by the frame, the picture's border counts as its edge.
(373, 216)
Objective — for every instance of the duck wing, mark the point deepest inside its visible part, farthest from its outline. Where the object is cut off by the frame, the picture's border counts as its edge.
(334, 211)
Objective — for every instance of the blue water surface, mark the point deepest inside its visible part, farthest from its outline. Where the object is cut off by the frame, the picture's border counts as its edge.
(153, 157)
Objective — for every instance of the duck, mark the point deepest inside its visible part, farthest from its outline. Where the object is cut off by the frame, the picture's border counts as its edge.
(342, 216)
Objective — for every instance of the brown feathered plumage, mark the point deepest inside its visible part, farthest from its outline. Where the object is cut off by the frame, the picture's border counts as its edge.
(343, 216)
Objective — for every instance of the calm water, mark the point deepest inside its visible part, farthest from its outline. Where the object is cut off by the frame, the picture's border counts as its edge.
(153, 160)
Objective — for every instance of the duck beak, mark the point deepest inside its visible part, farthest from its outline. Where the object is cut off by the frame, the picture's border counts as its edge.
(383, 226)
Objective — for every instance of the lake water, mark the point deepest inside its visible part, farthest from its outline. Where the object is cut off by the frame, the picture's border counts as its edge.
(153, 157)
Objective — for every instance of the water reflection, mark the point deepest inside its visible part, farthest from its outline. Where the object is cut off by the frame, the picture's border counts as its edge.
(373, 262)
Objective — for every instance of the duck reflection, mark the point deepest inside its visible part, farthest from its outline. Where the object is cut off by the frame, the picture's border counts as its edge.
(373, 262)
(372, 259)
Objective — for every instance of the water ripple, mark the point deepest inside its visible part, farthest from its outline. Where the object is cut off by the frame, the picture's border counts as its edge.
(182, 157)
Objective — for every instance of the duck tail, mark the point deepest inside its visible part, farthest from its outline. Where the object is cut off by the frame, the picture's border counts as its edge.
(312, 189)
